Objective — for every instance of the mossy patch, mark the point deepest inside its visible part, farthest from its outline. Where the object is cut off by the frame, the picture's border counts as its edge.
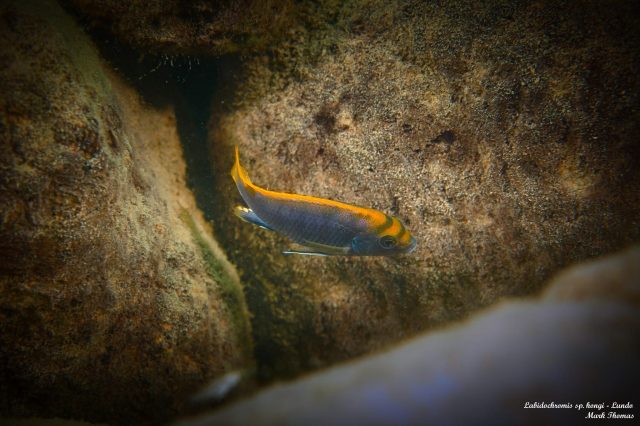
(230, 290)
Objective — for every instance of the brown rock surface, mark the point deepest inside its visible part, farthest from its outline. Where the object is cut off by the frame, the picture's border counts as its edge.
(114, 300)
(182, 28)
(503, 133)
(569, 350)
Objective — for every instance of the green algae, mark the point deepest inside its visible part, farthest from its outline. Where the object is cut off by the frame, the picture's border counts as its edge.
(230, 290)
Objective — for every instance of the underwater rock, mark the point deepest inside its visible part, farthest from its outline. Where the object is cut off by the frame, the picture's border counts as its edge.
(573, 349)
(503, 134)
(115, 301)
(187, 28)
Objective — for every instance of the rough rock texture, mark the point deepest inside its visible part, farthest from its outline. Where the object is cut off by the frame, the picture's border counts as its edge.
(181, 28)
(504, 134)
(114, 299)
(574, 348)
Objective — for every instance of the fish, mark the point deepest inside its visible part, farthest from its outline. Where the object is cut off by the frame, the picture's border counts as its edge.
(319, 226)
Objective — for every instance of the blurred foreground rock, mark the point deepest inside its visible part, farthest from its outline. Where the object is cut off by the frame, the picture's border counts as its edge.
(578, 343)
(504, 134)
(115, 302)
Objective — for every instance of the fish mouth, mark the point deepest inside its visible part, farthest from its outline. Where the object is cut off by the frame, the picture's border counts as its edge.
(412, 246)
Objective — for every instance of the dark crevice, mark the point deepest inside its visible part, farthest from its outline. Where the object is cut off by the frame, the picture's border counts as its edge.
(196, 89)
(200, 90)
(188, 84)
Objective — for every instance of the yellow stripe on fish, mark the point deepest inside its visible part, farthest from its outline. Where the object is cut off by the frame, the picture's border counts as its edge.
(375, 218)
(321, 226)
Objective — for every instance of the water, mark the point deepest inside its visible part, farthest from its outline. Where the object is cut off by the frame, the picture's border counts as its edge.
(503, 135)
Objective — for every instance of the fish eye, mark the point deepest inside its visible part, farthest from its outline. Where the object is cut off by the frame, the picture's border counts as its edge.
(387, 242)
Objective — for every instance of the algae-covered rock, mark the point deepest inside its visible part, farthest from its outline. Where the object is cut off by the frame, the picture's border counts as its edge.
(187, 27)
(553, 350)
(115, 302)
(503, 134)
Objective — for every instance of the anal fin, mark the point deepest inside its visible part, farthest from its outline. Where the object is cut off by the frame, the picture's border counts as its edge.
(304, 253)
(249, 216)
(309, 248)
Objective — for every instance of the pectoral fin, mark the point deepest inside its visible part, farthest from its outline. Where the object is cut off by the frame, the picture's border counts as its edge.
(249, 216)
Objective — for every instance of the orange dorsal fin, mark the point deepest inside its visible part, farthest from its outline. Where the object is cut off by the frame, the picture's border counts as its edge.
(239, 172)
